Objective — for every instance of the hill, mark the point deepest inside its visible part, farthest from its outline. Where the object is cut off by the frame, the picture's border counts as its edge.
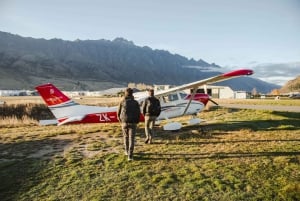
(291, 86)
(100, 64)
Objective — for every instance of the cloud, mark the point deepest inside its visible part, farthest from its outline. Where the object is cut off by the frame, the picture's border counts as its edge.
(276, 73)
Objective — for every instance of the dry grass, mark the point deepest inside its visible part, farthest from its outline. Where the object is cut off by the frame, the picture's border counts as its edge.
(234, 155)
(283, 101)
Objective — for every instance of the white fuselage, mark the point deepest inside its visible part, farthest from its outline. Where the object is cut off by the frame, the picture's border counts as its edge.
(177, 108)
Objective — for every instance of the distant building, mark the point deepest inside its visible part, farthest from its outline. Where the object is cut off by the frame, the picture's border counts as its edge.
(222, 92)
(162, 87)
(242, 95)
(15, 93)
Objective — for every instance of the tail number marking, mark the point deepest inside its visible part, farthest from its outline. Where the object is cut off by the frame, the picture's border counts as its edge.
(103, 117)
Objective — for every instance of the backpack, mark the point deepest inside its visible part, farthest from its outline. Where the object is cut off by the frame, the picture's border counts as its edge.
(153, 106)
(130, 111)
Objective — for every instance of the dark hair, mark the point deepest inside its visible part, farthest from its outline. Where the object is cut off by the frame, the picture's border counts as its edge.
(128, 92)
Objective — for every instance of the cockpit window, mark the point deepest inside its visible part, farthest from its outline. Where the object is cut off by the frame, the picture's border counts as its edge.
(182, 95)
(173, 97)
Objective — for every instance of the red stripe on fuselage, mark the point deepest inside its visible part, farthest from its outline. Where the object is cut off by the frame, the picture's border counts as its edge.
(201, 97)
(108, 117)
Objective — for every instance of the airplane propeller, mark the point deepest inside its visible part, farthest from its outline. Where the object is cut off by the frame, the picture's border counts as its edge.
(209, 99)
(214, 102)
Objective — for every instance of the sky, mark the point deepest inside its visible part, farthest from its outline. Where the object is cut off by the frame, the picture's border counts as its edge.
(263, 35)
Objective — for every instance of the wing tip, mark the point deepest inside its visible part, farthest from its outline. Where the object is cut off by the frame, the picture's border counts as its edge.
(239, 72)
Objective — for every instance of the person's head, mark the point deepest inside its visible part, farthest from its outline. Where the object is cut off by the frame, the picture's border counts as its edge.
(128, 92)
(151, 92)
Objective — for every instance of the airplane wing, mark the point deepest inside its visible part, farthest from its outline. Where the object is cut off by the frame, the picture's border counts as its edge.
(218, 78)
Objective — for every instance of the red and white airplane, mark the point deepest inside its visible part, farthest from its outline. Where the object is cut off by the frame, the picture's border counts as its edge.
(174, 103)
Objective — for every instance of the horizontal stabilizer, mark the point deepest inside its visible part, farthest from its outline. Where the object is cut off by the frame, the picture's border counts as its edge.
(70, 120)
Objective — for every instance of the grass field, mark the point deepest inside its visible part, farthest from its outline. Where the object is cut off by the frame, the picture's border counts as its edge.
(233, 155)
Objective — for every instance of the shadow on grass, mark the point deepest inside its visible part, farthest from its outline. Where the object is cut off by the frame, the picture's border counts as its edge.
(207, 130)
(292, 123)
(217, 130)
(229, 141)
(290, 115)
(258, 125)
(253, 125)
(21, 163)
(216, 155)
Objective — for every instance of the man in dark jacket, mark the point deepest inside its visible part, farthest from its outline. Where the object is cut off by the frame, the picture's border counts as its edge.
(151, 110)
(129, 115)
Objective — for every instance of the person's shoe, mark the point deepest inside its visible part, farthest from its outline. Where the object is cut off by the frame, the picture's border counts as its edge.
(126, 153)
(146, 141)
(130, 158)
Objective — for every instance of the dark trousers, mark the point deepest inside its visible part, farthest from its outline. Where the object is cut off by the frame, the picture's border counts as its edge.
(129, 130)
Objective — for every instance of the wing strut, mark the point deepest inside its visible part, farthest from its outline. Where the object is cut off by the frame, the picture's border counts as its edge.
(192, 97)
(205, 88)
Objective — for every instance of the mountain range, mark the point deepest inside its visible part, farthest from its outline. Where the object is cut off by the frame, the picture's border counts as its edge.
(100, 64)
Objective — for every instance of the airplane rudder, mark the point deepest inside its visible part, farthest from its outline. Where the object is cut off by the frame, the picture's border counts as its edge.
(51, 95)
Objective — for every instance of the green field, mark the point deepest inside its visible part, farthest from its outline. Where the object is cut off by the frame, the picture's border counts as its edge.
(233, 155)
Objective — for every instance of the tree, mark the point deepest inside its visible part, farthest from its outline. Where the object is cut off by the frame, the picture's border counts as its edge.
(275, 92)
(254, 92)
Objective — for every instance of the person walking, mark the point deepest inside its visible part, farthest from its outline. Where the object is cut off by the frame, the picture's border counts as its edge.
(129, 115)
(151, 110)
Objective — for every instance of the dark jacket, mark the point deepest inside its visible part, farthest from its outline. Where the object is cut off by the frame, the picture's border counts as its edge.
(129, 110)
(151, 106)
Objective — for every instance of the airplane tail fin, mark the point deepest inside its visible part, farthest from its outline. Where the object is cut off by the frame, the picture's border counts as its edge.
(61, 106)
(66, 111)
(52, 95)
